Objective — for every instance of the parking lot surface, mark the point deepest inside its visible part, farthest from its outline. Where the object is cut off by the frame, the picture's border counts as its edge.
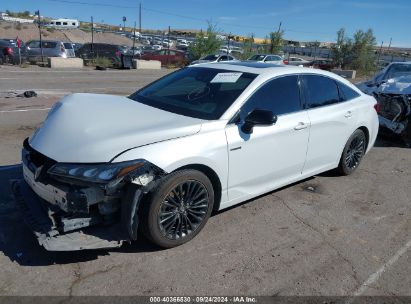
(327, 235)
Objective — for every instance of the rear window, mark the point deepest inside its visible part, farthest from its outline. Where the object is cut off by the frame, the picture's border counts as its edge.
(196, 92)
(346, 93)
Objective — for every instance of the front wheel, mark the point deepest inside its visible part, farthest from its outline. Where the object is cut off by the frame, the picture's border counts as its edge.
(178, 208)
(353, 153)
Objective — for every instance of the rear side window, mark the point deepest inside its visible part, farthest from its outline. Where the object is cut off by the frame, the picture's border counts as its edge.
(320, 91)
(49, 44)
(280, 95)
(346, 93)
(68, 46)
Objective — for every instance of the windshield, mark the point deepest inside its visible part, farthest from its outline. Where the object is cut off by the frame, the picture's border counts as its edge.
(210, 57)
(257, 57)
(203, 93)
(397, 70)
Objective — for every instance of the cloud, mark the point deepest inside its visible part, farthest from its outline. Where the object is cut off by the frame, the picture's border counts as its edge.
(227, 18)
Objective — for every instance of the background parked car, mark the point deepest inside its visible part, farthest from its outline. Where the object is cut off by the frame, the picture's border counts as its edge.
(69, 49)
(167, 57)
(51, 48)
(111, 51)
(9, 52)
(214, 58)
(322, 64)
(268, 58)
(136, 51)
(298, 61)
(147, 49)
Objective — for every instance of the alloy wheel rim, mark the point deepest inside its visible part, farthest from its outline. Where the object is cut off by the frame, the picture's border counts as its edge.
(355, 152)
(183, 210)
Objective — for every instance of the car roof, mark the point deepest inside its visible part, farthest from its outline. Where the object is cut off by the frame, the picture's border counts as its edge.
(268, 69)
(244, 66)
(400, 62)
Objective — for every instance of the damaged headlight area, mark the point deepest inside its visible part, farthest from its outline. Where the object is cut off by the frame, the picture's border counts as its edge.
(97, 173)
(82, 206)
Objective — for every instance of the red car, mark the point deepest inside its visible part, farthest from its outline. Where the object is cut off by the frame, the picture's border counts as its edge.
(167, 57)
(322, 64)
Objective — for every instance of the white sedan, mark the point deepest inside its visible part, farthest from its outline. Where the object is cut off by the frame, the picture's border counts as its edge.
(203, 138)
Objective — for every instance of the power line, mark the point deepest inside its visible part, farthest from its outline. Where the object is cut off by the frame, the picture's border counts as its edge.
(186, 17)
(93, 4)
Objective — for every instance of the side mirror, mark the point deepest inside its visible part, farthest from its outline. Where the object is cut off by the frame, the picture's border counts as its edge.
(258, 117)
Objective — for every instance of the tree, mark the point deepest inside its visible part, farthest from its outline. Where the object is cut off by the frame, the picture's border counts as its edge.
(205, 43)
(248, 48)
(356, 53)
(363, 51)
(276, 42)
(342, 51)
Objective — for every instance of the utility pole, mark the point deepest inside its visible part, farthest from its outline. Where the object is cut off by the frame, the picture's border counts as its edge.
(139, 20)
(92, 36)
(279, 27)
(41, 40)
(134, 38)
(379, 53)
(389, 47)
(168, 44)
(228, 42)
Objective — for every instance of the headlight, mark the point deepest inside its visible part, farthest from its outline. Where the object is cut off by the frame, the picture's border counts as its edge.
(99, 173)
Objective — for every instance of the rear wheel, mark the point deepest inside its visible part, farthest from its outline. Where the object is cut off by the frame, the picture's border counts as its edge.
(353, 153)
(178, 208)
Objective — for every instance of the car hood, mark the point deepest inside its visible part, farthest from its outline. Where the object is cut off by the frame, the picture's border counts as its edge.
(397, 85)
(92, 128)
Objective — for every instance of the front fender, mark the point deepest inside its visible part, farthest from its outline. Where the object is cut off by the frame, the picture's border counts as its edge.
(208, 148)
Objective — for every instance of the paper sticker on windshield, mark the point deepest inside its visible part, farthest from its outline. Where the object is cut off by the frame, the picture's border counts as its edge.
(226, 77)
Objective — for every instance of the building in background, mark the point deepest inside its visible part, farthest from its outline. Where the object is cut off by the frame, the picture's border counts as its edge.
(64, 23)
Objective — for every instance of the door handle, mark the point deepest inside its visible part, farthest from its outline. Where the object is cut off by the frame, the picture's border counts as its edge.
(301, 126)
(348, 114)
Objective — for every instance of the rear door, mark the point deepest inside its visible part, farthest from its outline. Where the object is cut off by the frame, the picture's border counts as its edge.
(331, 122)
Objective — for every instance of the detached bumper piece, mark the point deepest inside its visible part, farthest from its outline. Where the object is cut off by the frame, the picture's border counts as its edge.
(36, 214)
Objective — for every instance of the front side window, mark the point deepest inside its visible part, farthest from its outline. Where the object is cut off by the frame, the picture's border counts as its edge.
(280, 95)
(320, 91)
(203, 93)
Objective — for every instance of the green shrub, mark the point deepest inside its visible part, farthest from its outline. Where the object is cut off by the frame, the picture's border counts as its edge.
(18, 27)
(102, 62)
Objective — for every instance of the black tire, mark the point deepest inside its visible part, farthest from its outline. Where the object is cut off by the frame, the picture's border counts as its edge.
(353, 153)
(175, 212)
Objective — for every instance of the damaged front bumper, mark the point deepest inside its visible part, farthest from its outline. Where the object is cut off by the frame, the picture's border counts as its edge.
(36, 214)
(68, 216)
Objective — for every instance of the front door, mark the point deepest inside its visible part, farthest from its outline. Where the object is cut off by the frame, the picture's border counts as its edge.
(271, 156)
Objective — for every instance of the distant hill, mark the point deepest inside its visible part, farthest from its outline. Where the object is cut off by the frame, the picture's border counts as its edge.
(28, 32)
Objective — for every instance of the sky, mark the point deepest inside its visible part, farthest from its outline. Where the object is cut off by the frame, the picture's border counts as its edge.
(304, 20)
